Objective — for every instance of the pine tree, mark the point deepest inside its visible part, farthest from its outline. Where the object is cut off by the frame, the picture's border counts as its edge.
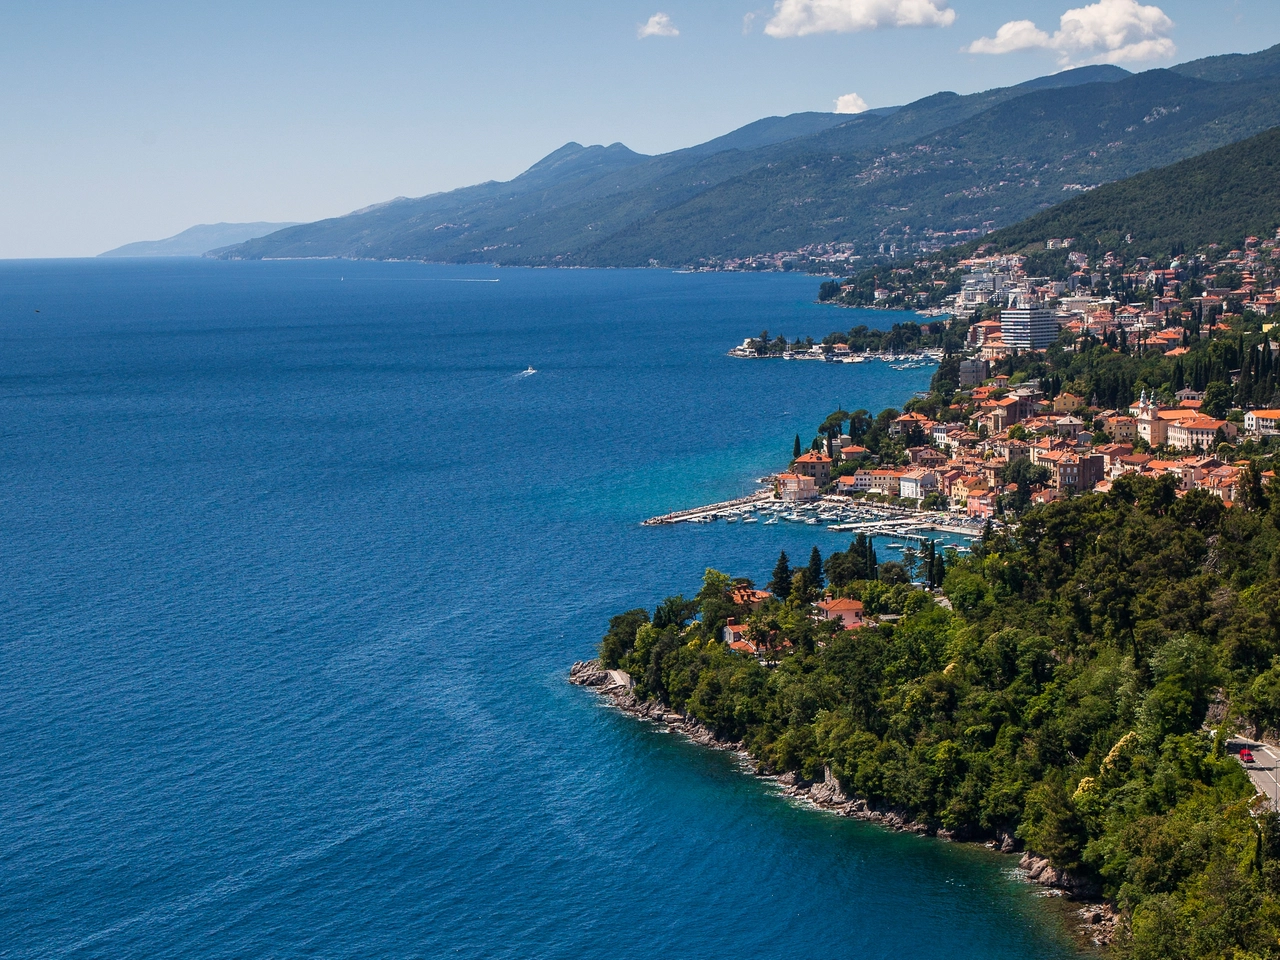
(780, 585)
(815, 569)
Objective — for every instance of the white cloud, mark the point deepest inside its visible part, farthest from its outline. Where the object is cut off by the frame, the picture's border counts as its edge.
(1109, 31)
(851, 103)
(799, 18)
(748, 21)
(659, 25)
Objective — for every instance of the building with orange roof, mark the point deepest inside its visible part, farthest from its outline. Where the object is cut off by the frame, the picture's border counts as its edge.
(735, 632)
(747, 597)
(793, 487)
(905, 422)
(1262, 423)
(848, 612)
(1197, 432)
(814, 464)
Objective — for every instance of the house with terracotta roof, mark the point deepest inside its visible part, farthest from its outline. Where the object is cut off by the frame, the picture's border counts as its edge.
(905, 422)
(1223, 482)
(1262, 423)
(917, 484)
(848, 612)
(981, 504)
(793, 487)
(926, 457)
(1071, 472)
(814, 464)
(1197, 432)
(1118, 427)
(1067, 403)
(887, 482)
(735, 633)
(851, 451)
(1195, 470)
(747, 597)
(964, 486)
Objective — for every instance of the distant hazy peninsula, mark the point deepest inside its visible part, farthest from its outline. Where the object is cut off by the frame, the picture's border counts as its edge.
(198, 240)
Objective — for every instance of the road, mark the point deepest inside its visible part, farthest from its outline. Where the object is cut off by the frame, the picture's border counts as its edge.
(1265, 770)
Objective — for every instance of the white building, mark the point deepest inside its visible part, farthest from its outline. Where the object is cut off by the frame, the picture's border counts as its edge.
(1262, 423)
(1029, 328)
(917, 484)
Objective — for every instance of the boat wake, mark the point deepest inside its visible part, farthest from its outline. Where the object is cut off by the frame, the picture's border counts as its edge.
(527, 372)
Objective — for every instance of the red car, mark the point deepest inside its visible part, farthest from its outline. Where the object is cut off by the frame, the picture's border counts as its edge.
(1246, 755)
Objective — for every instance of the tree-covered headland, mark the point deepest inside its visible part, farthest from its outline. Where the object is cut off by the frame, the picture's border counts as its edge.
(1072, 684)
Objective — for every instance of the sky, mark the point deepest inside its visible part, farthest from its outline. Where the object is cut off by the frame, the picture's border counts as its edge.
(133, 121)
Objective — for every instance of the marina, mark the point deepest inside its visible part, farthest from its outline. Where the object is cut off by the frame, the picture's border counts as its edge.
(838, 515)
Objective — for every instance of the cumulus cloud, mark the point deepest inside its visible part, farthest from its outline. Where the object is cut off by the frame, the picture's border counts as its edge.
(850, 103)
(659, 25)
(799, 18)
(1109, 31)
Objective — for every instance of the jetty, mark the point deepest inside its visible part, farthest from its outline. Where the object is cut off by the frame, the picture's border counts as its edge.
(711, 511)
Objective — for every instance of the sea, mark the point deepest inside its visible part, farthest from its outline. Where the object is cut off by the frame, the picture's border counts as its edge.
(294, 560)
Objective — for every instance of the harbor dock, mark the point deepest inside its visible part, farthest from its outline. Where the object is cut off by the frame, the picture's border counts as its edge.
(837, 514)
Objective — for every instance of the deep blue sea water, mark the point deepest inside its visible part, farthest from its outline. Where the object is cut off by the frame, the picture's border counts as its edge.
(292, 568)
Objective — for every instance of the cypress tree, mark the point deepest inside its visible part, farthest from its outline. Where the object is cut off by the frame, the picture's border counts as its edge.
(780, 585)
(795, 451)
(815, 569)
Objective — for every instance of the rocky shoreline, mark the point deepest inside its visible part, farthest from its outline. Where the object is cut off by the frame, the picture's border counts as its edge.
(1098, 920)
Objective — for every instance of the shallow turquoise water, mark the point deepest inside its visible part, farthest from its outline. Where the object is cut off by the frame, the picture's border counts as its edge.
(294, 566)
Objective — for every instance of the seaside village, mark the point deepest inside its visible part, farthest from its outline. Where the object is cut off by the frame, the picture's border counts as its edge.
(958, 461)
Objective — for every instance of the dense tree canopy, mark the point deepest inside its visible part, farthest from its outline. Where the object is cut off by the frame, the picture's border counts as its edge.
(1063, 699)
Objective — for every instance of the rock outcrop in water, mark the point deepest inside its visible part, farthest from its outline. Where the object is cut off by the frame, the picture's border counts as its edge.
(1098, 919)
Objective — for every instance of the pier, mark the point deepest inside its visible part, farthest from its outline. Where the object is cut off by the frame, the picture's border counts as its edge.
(710, 511)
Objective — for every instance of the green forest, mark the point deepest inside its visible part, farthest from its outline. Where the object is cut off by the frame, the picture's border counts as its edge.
(1072, 684)
(1218, 197)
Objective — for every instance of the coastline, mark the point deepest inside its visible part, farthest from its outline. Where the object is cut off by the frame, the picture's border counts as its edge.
(1096, 920)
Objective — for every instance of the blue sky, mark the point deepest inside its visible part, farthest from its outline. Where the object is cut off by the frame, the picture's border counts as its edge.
(133, 121)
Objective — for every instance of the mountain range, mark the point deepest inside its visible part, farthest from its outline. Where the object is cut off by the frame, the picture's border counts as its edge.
(198, 240)
(933, 171)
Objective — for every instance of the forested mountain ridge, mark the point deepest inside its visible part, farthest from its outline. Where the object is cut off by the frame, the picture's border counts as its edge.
(1218, 197)
(941, 164)
(998, 167)
(537, 217)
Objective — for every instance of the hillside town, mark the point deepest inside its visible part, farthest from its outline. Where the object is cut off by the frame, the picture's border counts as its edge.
(964, 466)
(1197, 341)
